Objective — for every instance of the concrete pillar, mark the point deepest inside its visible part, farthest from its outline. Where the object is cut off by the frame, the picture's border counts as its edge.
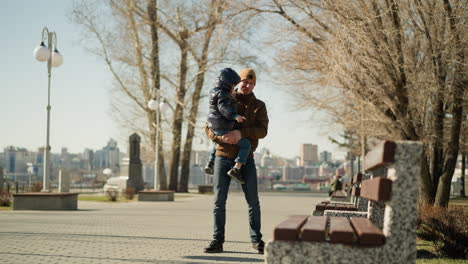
(64, 182)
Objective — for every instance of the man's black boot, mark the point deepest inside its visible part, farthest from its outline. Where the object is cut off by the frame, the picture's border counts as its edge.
(259, 246)
(236, 175)
(209, 169)
(214, 247)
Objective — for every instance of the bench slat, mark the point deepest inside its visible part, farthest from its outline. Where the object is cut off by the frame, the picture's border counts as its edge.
(339, 194)
(341, 207)
(341, 231)
(351, 208)
(377, 189)
(314, 229)
(383, 154)
(321, 206)
(368, 234)
(289, 229)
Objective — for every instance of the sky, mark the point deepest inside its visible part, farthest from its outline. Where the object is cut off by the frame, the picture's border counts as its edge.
(80, 96)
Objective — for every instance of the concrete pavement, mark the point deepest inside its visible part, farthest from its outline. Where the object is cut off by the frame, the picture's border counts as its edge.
(142, 232)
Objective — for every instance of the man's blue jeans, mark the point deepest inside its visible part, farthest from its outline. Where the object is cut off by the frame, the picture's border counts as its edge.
(221, 182)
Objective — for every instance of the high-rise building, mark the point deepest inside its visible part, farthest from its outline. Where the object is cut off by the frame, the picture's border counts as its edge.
(10, 159)
(309, 155)
(107, 157)
(16, 159)
(88, 156)
(112, 154)
(325, 156)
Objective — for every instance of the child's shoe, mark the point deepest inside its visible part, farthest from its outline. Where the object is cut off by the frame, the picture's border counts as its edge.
(236, 175)
(209, 168)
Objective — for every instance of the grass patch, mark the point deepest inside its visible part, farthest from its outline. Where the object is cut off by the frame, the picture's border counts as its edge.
(427, 254)
(182, 196)
(104, 199)
(441, 261)
(6, 208)
(459, 201)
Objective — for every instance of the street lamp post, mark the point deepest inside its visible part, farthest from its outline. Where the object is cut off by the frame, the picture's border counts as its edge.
(158, 107)
(50, 54)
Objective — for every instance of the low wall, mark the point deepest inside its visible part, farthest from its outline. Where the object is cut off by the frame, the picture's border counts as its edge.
(45, 201)
(156, 196)
(207, 188)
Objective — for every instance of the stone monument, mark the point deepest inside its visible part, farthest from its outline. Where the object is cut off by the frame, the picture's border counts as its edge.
(135, 178)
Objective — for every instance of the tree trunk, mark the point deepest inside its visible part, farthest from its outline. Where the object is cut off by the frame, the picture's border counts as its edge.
(459, 86)
(462, 191)
(185, 172)
(427, 190)
(216, 9)
(443, 189)
(178, 115)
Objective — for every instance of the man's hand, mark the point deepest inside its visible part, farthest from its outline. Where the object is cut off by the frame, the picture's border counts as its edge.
(232, 137)
(240, 119)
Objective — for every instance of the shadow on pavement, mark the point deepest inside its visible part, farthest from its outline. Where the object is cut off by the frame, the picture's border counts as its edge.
(109, 236)
(224, 258)
(105, 260)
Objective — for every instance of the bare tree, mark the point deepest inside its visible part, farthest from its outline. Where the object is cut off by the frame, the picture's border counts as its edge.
(202, 37)
(131, 57)
(400, 63)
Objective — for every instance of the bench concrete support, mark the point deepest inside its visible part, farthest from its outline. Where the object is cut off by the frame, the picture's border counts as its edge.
(45, 201)
(156, 196)
(399, 225)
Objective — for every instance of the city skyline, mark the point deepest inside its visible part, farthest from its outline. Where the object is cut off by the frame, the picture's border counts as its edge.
(80, 92)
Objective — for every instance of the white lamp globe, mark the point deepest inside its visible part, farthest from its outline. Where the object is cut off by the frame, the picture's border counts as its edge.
(107, 171)
(153, 104)
(57, 58)
(163, 107)
(41, 52)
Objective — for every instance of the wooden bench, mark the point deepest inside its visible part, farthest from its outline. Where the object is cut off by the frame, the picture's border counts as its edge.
(326, 239)
(356, 202)
(339, 196)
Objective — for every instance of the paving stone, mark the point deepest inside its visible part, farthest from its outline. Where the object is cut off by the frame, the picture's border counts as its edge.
(142, 232)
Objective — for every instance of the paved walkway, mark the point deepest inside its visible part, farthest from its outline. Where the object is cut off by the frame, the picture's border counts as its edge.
(142, 232)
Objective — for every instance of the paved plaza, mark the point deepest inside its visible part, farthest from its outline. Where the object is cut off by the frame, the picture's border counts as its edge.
(142, 232)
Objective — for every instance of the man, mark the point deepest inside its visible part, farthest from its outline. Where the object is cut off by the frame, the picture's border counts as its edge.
(336, 184)
(253, 128)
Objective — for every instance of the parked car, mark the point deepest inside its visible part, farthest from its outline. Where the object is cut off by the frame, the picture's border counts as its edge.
(118, 183)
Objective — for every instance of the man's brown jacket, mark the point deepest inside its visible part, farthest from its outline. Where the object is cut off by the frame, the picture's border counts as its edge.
(253, 128)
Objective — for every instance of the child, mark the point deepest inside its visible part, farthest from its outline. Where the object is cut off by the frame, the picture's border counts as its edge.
(222, 118)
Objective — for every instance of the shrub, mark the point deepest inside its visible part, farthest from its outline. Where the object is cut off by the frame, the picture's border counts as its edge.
(129, 193)
(5, 199)
(36, 187)
(446, 228)
(112, 194)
